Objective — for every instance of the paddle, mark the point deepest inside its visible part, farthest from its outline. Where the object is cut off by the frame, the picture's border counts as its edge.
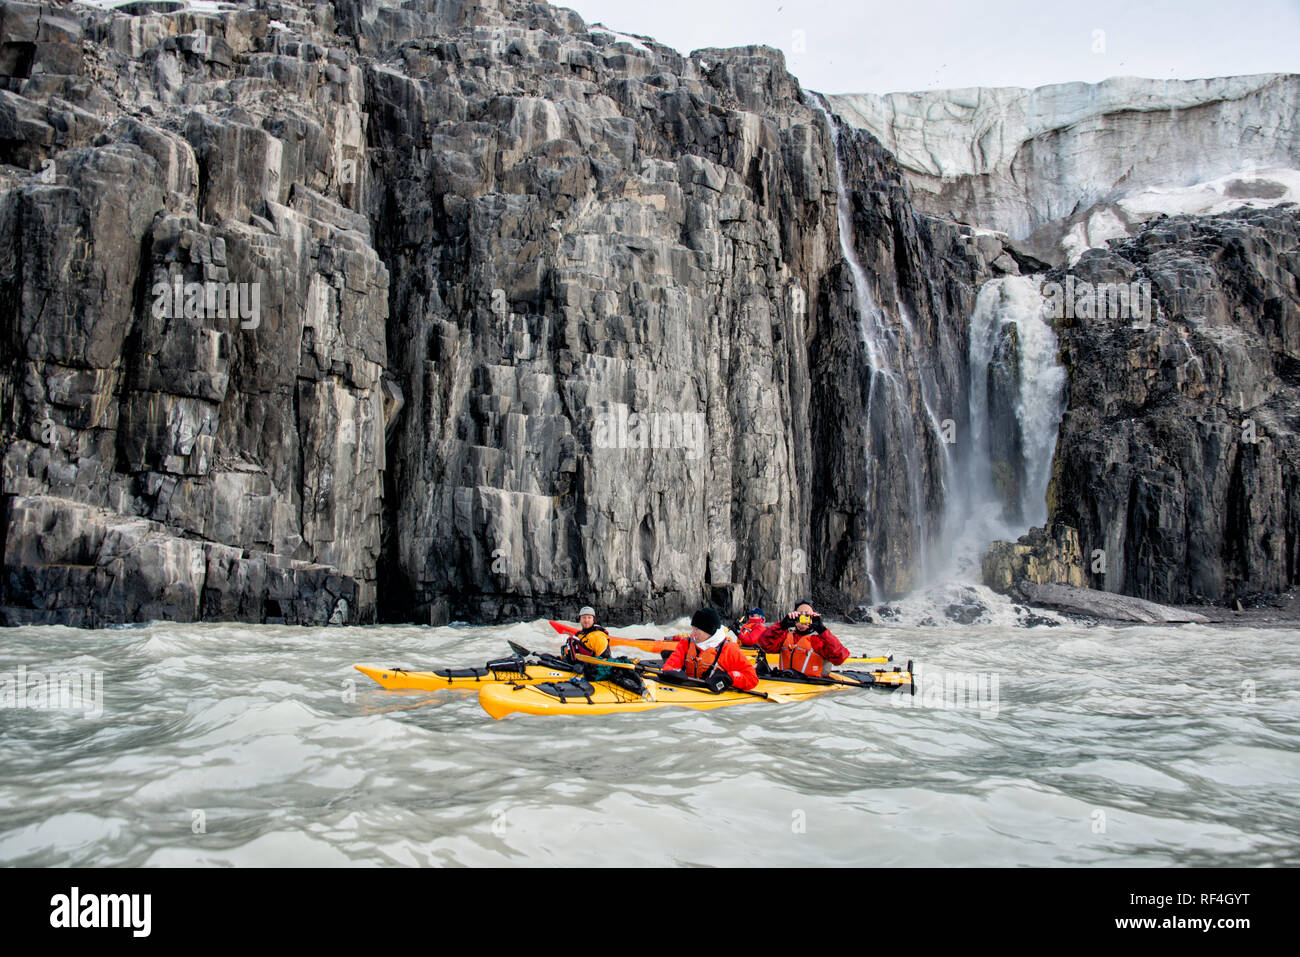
(643, 667)
(542, 657)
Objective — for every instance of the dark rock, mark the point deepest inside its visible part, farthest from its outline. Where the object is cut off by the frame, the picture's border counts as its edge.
(1100, 604)
(1178, 460)
(483, 238)
(964, 614)
(1035, 557)
(861, 614)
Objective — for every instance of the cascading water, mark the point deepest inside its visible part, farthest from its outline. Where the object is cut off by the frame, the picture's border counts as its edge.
(1016, 402)
(1016, 392)
(1016, 389)
(889, 413)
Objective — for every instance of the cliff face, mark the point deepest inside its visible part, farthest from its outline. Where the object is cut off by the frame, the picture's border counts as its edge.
(531, 315)
(457, 309)
(1179, 455)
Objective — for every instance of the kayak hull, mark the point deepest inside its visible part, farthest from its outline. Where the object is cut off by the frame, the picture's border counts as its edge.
(397, 679)
(501, 700)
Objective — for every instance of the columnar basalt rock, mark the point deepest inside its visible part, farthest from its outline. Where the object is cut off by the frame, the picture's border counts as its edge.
(241, 438)
(453, 309)
(478, 232)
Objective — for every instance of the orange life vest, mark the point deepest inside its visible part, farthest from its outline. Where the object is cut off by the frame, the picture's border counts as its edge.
(696, 663)
(798, 654)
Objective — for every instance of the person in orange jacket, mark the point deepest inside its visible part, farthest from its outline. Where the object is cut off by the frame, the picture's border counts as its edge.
(706, 654)
(803, 641)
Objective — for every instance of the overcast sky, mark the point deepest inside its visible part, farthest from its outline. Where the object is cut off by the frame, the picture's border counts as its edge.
(861, 46)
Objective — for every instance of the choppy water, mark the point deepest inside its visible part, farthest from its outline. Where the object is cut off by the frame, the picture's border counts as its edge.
(254, 745)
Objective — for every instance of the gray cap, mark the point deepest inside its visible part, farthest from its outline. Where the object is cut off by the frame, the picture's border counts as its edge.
(587, 610)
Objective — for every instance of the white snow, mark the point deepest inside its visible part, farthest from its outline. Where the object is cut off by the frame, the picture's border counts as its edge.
(621, 37)
(1246, 187)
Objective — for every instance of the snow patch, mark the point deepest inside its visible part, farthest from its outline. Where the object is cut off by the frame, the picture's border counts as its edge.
(620, 37)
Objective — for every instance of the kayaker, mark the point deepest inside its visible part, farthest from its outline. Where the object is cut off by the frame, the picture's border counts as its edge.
(750, 626)
(803, 641)
(592, 640)
(707, 654)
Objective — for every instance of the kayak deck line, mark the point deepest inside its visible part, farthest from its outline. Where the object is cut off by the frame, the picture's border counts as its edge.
(401, 679)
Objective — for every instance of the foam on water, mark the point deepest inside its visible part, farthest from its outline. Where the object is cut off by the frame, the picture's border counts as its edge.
(1190, 760)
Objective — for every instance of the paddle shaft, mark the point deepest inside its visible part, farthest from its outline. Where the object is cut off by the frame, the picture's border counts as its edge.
(658, 671)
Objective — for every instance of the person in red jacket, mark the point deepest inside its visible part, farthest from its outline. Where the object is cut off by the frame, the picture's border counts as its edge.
(706, 654)
(749, 626)
(803, 641)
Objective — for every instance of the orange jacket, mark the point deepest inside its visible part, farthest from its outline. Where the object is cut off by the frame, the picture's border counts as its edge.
(774, 639)
(687, 657)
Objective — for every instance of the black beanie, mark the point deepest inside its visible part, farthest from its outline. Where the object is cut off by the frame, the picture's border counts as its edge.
(707, 620)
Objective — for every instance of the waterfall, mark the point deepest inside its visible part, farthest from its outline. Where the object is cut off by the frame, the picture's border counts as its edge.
(1016, 402)
(891, 426)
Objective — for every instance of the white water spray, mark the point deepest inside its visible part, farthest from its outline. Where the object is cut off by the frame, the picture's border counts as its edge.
(1015, 300)
(889, 347)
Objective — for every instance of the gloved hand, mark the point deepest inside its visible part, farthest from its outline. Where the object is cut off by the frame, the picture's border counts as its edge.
(787, 623)
(719, 682)
(673, 675)
(817, 625)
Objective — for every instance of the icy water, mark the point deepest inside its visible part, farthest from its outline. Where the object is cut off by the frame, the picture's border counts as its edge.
(225, 744)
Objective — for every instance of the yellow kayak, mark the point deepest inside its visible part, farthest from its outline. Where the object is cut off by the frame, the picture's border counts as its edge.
(399, 679)
(603, 697)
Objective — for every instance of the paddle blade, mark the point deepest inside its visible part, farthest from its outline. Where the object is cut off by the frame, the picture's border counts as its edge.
(520, 650)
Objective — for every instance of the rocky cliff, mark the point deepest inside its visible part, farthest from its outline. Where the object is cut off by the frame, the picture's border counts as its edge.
(361, 311)
(1179, 454)
(447, 309)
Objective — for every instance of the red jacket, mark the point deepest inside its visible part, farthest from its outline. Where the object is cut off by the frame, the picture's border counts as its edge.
(732, 660)
(827, 645)
(749, 630)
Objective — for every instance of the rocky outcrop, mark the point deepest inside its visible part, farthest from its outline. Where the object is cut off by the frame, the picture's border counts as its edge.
(1090, 603)
(1065, 167)
(610, 236)
(194, 322)
(1179, 454)
(1036, 557)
